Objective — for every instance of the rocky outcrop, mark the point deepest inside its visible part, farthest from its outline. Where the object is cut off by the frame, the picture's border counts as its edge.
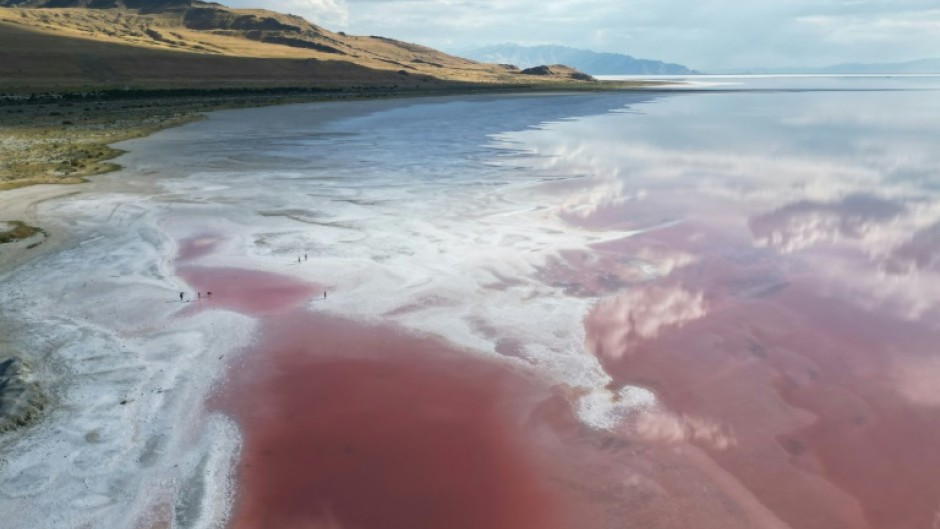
(557, 70)
(21, 400)
(537, 70)
(17, 230)
(218, 18)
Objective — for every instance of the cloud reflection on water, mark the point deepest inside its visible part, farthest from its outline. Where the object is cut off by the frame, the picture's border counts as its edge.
(617, 324)
(806, 318)
(809, 174)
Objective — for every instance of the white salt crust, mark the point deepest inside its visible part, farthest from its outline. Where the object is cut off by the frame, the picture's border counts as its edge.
(434, 233)
(127, 437)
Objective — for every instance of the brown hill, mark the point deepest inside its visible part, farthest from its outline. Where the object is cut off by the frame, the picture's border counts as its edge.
(189, 43)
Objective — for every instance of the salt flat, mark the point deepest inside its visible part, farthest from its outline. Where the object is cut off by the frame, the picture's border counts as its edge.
(665, 309)
(388, 229)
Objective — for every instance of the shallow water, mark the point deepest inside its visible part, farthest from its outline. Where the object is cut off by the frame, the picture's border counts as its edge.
(663, 310)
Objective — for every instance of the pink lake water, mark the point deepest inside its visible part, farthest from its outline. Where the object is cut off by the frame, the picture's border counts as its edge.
(662, 310)
(786, 381)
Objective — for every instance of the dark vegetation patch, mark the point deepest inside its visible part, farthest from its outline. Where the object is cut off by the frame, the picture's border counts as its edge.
(21, 401)
(17, 231)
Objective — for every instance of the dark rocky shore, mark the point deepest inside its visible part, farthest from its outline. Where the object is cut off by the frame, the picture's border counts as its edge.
(21, 400)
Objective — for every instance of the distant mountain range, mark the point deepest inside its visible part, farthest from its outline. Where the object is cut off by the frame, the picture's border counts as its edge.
(587, 61)
(923, 66)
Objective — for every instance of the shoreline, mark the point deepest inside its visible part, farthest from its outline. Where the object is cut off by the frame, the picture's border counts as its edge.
(499, 238)
(96, 372)
(380, 392)
(65, 138)
(21, 203)
(114, 337)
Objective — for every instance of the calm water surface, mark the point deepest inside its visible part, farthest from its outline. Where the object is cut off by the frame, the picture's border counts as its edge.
(739, 287)
(710, 309)
(790, 325)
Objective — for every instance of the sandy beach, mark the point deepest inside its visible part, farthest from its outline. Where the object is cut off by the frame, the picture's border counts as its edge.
(532, 311)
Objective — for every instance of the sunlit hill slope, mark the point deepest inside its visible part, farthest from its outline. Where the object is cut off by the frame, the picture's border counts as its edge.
(73, 44)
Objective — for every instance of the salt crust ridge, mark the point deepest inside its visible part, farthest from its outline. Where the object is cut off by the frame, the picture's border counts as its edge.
(433, 255)
(454, 253)
(124, 441)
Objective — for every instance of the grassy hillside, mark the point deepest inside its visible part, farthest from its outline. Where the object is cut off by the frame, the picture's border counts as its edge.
(31, 60)
(182, 43)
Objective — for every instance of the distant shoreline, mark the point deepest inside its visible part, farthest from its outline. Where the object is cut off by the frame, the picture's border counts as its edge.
(64, 137)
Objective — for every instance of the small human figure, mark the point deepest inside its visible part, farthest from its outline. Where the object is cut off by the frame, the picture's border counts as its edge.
(298, 259)
(305, 257)
(181, 297)
(208, 294)
(199, 294)
(324, 294)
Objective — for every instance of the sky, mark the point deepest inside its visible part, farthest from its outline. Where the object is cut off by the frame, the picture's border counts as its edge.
(702, 34)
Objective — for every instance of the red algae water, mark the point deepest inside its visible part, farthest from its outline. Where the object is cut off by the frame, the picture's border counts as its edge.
(790, 391)
(347, 424)
(354, 426)
(586, 311)
(785, 337)
(350, 425)
(197, 246)
(247, 291)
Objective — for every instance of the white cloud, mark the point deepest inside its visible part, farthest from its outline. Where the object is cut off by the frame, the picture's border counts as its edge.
(861, 29)
(330, 13)
(705, 34)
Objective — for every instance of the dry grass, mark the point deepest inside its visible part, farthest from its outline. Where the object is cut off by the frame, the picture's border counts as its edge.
(36, 61)
(75, 47)
(53, 143)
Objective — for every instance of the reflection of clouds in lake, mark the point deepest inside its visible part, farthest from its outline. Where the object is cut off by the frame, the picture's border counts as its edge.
(609, 193)
(665, 427)
(615, 172)
(664, 260)
(615, 326)
(916, 380)
(913, 296)
(814, 225)
(821, 147)
(802, 224)
(920, 253)
(848, 189)
(880, 253)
